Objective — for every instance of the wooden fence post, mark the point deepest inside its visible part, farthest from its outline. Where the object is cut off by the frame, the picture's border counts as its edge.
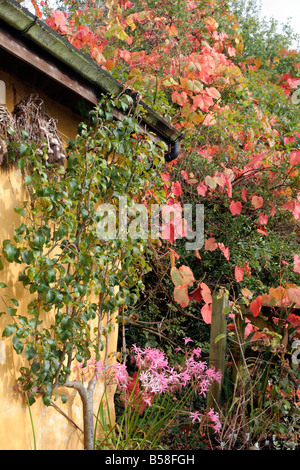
(218, 332)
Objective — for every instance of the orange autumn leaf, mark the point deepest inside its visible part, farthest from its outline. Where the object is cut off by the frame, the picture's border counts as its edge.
(181, 296)
(210, 244)
(247, 268)
(183, 276)
(171, 30)
(246, 292)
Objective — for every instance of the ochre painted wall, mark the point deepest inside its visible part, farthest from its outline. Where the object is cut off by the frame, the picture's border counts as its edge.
(53, 431)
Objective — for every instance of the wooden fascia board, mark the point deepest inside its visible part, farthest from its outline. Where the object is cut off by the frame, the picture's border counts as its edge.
(17, 48)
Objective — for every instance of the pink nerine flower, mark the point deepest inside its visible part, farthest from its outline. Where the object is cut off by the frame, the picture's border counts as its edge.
(195, 416)
(214, 418)
(121, 375)
(187, 340)
(149, 358)
(156, 377)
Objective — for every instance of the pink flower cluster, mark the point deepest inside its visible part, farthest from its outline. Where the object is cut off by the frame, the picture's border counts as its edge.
(213, 417)
(114, 374)
(156, 376)
(214, 420)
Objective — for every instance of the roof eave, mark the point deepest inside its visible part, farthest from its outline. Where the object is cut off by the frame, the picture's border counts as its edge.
(47, 39)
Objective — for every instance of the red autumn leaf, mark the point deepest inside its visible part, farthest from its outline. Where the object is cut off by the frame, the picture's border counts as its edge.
(261, 229)
(176, 189)
(125, 55)
(209, 120)
(36, 8)
(294, 319)
(284, 262)
(256, 305)
(238, 274)
(60, 20)
(247, 268)
(198, 101)
(202, 292)
(235, 207)
(273, 209)
(210, 244)
(134, 395)
(179, 98)
(196, 294)
(109, 64)
(288, 206)
(213, 92)
(206, 312)
(246, 292)
(168, 232)
(296, 268)
(257, 201)
(296, 210)
(201, 189)
(184, 174)
(244, 194)
(294, 157)
(293, 294)
(128, 5)
(263, 218)
(206, 293)
(224, 250)
(228, 186)
(165, 177)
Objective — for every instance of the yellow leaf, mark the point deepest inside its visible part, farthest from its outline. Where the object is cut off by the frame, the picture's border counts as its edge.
(169, 81)
(258, 62)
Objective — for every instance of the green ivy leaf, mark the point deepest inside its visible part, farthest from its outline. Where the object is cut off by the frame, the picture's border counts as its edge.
(22, 161)
(10, 251)
(29, 353)
(18, 345)
(9, 330)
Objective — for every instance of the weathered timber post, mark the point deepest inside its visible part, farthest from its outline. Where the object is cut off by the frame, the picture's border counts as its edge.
(217, 346)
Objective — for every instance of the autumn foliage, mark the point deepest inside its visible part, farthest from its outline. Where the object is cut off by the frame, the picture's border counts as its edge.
(240, 151)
